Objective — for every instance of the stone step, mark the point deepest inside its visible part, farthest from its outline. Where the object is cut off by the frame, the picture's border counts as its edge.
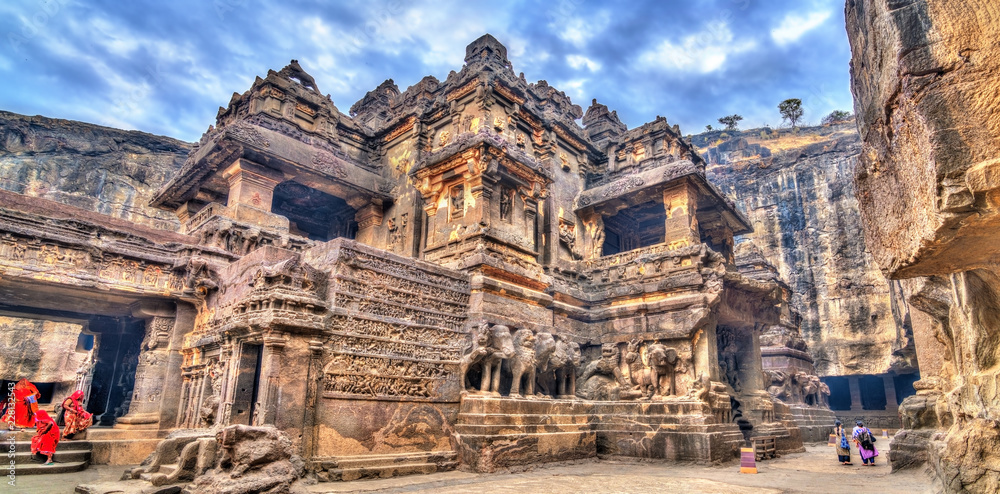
(360, 461)
(381, 472)
(501, 429)
(505, 419)
(63, 456)
(64, 445)
(58, 467)
(537, 406)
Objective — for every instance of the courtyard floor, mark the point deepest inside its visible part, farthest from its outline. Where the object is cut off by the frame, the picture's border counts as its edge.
(815, 471)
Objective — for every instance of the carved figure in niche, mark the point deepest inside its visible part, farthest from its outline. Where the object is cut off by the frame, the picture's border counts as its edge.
(199, 277)
(597, 249)
(210, 407)
(520, 140)
(501, 346)
(475, 354)
(549, 355)
(566, 374)
(730, 366)
(444, 138)
(457, 201)
(664, 365)
(564, 162)
(522, 364)
(641, 377)
(506, 203)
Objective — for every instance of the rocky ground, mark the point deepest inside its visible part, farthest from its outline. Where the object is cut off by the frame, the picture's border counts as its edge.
(816, 470)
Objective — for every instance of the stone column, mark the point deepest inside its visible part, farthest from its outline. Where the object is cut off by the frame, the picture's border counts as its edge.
(151, 370)
(369, 217)
(251, 184)
(680, 204)
(269, 386)
(855, 385)
(313, 378)
(890, 392)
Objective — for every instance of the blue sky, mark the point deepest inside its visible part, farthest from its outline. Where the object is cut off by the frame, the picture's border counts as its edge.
(165, 67)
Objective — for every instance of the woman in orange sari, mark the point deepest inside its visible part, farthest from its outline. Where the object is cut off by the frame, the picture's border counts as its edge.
(46, 436)
(76, 418)
(26, 397)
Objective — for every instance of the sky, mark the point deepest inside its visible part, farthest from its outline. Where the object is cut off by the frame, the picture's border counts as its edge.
(165, 67)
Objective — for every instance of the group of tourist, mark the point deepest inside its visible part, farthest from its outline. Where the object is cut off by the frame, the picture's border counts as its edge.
(863, 439)
(26, 414)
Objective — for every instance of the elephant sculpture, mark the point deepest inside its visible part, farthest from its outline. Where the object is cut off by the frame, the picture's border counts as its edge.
(491, 345)
(566, 373)
(522, 364)
(550, 354)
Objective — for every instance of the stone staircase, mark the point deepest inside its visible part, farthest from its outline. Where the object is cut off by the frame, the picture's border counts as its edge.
(383, 466)
(71, 456)
(499, 433)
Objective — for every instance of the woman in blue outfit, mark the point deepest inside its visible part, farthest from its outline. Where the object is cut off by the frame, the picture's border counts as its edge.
(843, 447)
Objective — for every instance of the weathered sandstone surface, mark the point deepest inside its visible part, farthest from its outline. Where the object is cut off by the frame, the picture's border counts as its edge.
(925, 75)
(111, 171)
(796, 188)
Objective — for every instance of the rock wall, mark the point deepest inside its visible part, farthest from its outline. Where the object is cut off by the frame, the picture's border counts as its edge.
(796, 188)
(111, 171)
(925, 75)
(41, 351)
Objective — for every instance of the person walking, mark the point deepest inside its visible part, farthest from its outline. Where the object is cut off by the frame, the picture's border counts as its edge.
(865, 440)
(842, 445)
(46, 436)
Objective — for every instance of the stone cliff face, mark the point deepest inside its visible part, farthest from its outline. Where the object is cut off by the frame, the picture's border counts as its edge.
(111, 171)
(797, 190)
(925, 75)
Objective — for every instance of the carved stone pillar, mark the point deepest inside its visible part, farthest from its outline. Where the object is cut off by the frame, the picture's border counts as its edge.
(270, 372)
(251, 184)
(151, 370)
(680, 204)
(313, 377)
(368, 216)
(855, 386)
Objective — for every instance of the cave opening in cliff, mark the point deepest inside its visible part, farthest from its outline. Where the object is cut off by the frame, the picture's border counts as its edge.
(635, 227)
(313, 213)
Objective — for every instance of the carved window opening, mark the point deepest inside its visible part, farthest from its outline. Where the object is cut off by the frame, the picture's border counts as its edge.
(456, 201)
(634, 228)
(247, 384)
(313, 213)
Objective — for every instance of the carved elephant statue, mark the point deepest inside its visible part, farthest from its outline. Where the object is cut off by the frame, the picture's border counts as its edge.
(663, 364)
(566, 373)
(522, 364)
(475, 355)
(550, 354)
(501, 347)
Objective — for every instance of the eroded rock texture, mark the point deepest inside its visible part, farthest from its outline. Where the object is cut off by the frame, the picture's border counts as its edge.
(925, 76)
(41, 351)
(110, 171)
(797, 190)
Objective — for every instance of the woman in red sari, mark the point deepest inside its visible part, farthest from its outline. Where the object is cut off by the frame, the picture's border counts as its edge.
(26, 397)
(46, 436)
(76, 418)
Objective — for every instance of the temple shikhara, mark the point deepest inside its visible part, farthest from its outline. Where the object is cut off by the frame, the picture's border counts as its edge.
(472, 273)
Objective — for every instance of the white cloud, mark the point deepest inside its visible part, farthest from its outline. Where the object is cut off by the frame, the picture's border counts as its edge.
(793, 26)
(703, 52)
(577, 30)
(574, 88)
(580, 61)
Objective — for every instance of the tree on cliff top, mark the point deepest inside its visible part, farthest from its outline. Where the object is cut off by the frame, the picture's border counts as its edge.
(791, 110)
(837, 116)
(732, 122)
